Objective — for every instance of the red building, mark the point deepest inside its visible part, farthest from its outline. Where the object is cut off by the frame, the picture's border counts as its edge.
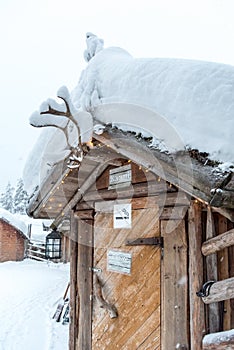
(13, 237)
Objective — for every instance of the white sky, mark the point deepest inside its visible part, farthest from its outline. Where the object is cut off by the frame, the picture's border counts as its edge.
(42, 44)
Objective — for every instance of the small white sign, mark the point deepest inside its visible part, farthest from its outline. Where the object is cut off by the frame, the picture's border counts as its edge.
(123, 215)
(118, 261)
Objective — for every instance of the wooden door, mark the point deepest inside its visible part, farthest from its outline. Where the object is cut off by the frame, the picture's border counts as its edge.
(136, 295)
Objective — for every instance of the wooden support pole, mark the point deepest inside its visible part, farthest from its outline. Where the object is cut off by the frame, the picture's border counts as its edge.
(197, 314)
(175, 319)
(223, 272)
(219, 291)
(73, 326)
(218, 243)
(212, 274)
(85, 281)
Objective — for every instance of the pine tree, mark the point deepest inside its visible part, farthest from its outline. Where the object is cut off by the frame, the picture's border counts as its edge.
(6, 198)
(20, 198)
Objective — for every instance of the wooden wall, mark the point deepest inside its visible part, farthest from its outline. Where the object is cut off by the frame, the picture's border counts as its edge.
(181, 318)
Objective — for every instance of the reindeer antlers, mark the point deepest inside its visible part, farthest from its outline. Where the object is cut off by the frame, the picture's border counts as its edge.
(62, 117)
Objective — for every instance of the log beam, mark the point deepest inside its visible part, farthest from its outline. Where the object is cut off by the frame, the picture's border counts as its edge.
(218, 243)
(219, 341)
(219, 291)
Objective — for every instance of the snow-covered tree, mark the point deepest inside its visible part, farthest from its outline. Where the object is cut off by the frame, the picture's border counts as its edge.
(6, 198)
(20, 198)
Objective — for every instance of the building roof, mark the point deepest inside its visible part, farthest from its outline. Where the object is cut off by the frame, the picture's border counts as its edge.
(12, 220)
(174, 117)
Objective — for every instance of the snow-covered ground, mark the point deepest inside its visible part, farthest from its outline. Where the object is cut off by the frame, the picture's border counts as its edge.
(29, 294)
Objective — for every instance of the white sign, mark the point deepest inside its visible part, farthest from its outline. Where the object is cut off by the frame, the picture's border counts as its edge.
(123, 215)
(119, 261)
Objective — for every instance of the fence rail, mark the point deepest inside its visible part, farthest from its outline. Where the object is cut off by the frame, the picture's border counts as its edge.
(36, 251)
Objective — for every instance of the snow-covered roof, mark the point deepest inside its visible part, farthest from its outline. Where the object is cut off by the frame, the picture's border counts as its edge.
(181, 104)
(14, 221)
(194, 98)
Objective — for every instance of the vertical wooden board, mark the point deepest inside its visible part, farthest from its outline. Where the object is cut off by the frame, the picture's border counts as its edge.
(197, 312)
(212, 274)
(231, 272)
(174, 280)
(73, 326)
(85, 260)
(223, 272)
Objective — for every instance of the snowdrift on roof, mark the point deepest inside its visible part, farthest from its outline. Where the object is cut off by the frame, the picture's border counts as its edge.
(11, 219)
(180, 103)
(195, 98)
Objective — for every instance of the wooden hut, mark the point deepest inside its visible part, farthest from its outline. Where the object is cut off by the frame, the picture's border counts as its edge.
(151, 252)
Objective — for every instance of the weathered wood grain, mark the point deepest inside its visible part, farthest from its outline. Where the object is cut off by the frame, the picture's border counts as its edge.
(85, 261)
(174, 280)
(212, 274)
(219, 291)
(197, 315)
(223, 272)
(218, 243)
(136, 297)
(219, 341)
(73, 326)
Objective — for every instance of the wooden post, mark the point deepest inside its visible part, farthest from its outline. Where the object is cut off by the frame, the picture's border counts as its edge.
(223, 272)
(212, 274)
(73, 284)
(174, 277)
(85, 281)
(197, 314)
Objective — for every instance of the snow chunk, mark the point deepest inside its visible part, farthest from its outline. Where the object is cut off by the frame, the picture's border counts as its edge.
(98, 129)
(14, 221)
(94, 45)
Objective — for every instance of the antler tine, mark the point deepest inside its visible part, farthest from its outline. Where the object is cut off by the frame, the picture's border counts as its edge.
(77, 152)
(69, 115)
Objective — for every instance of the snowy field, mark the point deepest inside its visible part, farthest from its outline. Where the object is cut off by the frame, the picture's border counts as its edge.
(29, 294)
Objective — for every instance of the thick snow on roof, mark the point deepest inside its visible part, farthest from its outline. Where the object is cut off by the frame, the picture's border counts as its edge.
(180, 103)
(14, 221)
(194, 98)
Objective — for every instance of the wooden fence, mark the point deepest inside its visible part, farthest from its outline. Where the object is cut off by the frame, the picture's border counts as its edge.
(36, 251)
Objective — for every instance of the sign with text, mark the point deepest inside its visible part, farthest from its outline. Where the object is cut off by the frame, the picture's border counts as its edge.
(123, 215)
(120, 177)
(118, 261)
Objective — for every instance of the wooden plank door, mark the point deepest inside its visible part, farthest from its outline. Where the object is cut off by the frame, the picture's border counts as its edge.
(136, 295)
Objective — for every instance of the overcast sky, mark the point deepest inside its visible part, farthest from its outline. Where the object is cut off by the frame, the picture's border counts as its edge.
(42, 44)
